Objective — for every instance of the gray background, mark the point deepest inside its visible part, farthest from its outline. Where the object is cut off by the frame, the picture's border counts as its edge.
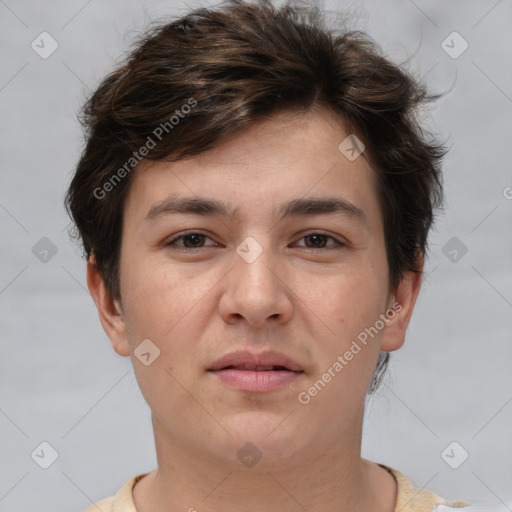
(62, 383)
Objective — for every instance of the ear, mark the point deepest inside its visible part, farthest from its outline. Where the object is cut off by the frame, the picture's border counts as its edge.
(109, 310)
(402, 304)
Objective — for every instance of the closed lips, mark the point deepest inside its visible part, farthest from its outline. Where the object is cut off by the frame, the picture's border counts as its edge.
(262, 362)
(256, 368)
(250, 372)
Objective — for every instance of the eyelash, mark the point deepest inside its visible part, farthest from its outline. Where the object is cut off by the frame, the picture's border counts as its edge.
(337, 244)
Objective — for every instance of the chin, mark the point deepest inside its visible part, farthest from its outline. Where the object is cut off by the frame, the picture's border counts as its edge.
(263, 441)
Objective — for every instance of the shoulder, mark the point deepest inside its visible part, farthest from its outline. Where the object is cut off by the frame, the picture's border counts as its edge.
(105, 505)
(122, 500)
(413, 499)
(490, 507)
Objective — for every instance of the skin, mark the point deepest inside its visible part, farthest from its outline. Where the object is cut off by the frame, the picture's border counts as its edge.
(300, 297)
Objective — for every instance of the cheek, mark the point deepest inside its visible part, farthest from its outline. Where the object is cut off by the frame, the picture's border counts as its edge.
(155, 298)
(351, 308)
(354, 302)
(168, 308)
(347, 353)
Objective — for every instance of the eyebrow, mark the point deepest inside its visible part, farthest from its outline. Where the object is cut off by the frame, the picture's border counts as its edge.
(295, 208)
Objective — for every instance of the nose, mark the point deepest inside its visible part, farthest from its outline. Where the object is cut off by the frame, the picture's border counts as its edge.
(256, 290)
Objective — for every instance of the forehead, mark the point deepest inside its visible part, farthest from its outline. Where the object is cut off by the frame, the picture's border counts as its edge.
(259, 169)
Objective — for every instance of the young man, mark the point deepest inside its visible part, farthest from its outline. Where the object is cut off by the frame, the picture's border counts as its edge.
(254, 201)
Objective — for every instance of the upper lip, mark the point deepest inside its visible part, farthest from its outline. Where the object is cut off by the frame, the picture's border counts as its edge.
(244, 357)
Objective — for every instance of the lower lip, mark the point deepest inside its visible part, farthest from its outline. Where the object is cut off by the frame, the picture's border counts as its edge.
(263, 381)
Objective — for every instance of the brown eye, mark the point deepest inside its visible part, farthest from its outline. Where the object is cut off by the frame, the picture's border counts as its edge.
(195, 240)
(316, 240)
(319, 241)
(191, 240)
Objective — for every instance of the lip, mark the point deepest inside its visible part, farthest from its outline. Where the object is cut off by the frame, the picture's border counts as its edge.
(267, 358)
(247, 378)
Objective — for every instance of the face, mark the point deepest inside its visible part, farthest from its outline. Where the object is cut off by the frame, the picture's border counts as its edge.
(266, 252)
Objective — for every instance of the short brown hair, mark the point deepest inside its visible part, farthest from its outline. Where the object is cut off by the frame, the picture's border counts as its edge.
(235, 64)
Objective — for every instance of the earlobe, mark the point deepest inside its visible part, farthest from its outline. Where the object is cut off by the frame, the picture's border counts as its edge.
(402, 303)
(109, 310)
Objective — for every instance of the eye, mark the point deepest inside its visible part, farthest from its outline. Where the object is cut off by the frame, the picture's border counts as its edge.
(319, 240)
(196, 240)
(192, 240)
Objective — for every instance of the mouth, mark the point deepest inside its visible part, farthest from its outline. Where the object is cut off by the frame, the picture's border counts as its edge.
(256, 368)
(244, 360)
(263, 372)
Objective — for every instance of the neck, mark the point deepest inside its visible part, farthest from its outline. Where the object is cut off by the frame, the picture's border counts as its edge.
(331, 478)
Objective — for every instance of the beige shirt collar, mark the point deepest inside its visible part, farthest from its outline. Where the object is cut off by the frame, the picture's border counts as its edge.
(409, 497)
